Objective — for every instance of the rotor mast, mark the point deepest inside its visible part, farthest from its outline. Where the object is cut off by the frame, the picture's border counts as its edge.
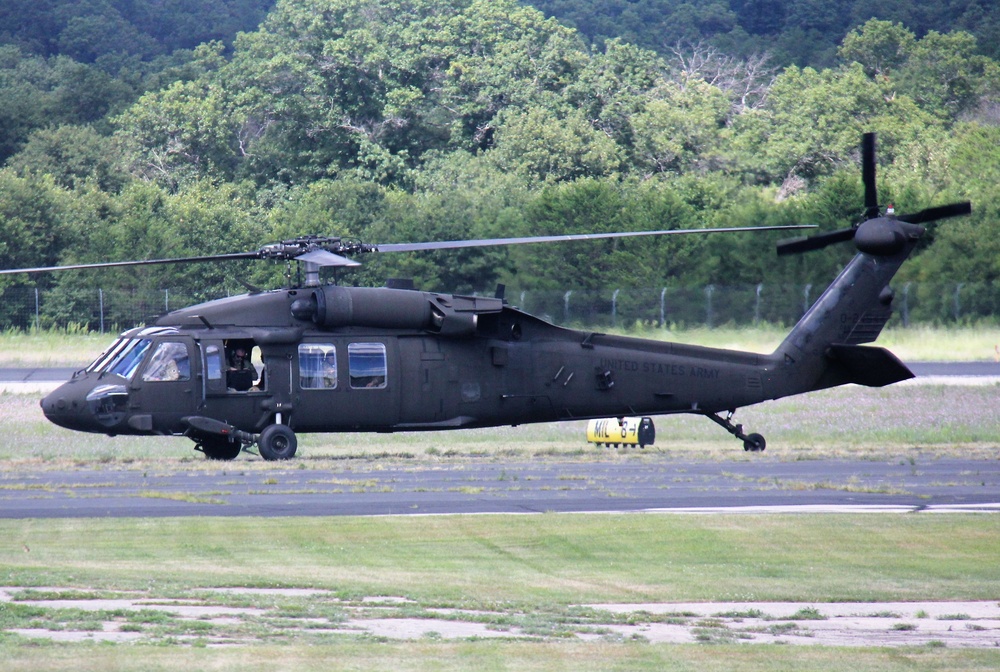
(311, 273)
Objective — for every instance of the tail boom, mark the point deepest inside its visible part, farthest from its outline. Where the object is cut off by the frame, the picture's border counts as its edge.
(825, 348)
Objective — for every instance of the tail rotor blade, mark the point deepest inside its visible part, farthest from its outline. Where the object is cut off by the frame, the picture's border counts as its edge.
(939, 212)
(868, 175)
(872, 240)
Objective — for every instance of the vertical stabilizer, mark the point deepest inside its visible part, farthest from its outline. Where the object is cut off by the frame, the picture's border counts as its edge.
(856, 306)
(825, 348)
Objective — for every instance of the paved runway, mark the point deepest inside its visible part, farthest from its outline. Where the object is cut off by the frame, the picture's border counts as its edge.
(652, 482)
(32, 375)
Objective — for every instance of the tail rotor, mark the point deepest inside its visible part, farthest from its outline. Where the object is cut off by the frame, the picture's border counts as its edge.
(879, 233)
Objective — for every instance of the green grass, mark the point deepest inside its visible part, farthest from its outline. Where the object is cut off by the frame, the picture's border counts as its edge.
(543, 559)
(51, 348)
(524, 571)
(913, 344)
(490, 656)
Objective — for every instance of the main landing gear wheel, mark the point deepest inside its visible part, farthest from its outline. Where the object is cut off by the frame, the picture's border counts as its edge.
(754, 443)
(219, 449)
(277, 442)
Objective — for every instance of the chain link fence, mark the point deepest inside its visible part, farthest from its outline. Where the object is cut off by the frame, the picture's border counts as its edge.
(111, 310)
(740, 306)
(88, 309)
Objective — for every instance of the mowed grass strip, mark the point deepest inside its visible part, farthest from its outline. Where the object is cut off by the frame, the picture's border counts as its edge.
(545, 559)
(495, 656)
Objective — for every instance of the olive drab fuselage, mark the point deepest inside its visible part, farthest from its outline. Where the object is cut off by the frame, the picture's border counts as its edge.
(389, 360)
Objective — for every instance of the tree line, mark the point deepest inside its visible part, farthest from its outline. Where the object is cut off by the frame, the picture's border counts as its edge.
(392, 121)
(794, 32)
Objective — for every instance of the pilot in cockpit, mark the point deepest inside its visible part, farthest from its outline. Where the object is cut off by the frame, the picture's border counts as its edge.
(242, 373)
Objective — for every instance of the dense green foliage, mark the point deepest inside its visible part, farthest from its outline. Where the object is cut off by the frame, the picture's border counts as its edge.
(440, 119)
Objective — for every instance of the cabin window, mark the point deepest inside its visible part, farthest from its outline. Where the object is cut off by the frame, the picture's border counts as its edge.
(317, 366)
(367, 362)
(169, 362)
(213, 362)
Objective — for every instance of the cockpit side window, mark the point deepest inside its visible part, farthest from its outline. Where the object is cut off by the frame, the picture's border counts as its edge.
(169, 362)
(245, 370)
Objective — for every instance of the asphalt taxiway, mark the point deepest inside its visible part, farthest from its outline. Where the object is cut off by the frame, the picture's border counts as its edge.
(374, 488)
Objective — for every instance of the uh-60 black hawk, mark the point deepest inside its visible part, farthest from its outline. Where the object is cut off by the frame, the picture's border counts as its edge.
(259, 368)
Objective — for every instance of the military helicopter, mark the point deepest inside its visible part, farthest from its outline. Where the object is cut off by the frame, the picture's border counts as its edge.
(260, 368)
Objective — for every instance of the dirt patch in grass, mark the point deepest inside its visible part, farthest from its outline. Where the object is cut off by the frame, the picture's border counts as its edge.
(228, 616)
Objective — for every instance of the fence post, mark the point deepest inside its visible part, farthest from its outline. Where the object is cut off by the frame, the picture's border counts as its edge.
(100, 308)
(708, 305)
(958, 300)
(756, 306)
(906, 304)
(38, 322)
(614, 308)
(663, 308)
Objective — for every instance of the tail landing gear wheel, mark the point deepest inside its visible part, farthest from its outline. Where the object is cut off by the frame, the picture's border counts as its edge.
(751, 442)
(754, 443)
(277, 442)
(219, 449)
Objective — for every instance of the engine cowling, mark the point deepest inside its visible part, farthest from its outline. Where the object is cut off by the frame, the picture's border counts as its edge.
(382, 307)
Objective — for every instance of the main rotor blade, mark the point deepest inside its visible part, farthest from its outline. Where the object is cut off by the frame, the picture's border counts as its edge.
(868, 175)
(491, 242)
(323, 251)
(818, 242)
(938, 212)
(143, 262)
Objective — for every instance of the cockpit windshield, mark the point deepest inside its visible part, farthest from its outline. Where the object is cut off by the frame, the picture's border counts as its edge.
(126, 354)
(107, 355)
(122, 358)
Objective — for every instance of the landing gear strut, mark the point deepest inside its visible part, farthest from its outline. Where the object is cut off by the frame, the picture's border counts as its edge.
(753, 443)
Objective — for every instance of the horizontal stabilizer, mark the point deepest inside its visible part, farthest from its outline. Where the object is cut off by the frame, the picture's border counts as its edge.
(872, 367)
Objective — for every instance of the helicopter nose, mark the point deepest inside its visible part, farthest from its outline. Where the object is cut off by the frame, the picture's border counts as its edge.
(67, 407)
(83, 406)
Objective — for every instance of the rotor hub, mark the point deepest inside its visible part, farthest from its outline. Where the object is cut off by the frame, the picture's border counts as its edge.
(885, 236)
